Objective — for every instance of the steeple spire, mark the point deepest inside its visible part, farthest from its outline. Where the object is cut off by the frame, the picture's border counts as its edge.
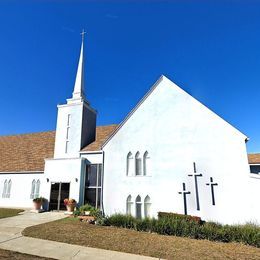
(78, 92)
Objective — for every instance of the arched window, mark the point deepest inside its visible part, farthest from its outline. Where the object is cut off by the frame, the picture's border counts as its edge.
(129, 205)
(37, 189)
(146, 164)
(147, 207)
(32, 189)
(9, 189)
(129, 164)
(5, 189)
(138, 164)
(138, 207)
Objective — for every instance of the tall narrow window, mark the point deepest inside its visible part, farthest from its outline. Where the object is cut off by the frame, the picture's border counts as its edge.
(129, 205)
(138, 164)
(147, 207)
(138, 207)
(8, 193)
(67, 133)
(37, 188)
(4, 189)
(93, 185)
(32, 189)
(129, 164)
(146, 164)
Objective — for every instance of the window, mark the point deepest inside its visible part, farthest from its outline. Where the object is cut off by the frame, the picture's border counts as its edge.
(67, 146)
(138, 207)
(129, 164)
(32, 189)
(138, 164)
(93, 185)
(129, 205)
(147, 207)
(146, 164)
(7, 189)
(35, 189)
(67, 133)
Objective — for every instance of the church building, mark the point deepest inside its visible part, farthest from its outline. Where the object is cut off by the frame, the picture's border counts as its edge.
(169, 154)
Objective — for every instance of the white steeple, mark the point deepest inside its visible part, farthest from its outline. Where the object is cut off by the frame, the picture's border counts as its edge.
(78, 92)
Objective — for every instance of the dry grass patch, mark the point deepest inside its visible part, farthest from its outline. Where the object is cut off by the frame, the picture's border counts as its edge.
(6, 254)
(124, 240)
(6, 213)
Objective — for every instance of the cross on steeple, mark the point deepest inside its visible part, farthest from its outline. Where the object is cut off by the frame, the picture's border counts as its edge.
(195, 175)
(211, 184)
(184, 193)
(82, 34)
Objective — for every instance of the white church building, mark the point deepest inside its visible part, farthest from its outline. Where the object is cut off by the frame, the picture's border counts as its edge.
(169, 154)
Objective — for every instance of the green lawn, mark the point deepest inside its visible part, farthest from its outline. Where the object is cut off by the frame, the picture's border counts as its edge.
(6, 213)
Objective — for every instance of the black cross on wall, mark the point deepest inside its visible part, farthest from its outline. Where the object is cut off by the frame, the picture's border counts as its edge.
(212, 184)
(195, 175)
(184, 194)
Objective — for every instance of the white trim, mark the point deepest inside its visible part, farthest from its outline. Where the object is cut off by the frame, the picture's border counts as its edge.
(133, 110)
(91, 152)
(22, 172)
(148, 94)
(53, 159)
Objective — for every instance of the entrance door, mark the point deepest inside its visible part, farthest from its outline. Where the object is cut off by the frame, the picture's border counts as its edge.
(59, 192)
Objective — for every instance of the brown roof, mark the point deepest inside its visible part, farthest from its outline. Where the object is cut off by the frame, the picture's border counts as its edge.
(102, 133)
(254, 158)
(26, 152)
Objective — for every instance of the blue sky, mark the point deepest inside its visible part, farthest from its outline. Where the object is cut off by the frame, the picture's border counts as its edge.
(209, 48)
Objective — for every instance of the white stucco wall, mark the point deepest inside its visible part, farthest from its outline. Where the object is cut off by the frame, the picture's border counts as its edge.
(75, 111)
(20, 189)
(68, 170)
(177, 130)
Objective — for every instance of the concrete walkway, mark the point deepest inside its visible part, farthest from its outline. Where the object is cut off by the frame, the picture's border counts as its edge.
(12, 239)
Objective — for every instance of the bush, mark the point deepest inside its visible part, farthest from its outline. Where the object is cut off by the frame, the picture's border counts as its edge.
(86, 207)
(179, 216)
(185, 227)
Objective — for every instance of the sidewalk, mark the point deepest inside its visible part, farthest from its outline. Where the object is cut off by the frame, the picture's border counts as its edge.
(11, 239)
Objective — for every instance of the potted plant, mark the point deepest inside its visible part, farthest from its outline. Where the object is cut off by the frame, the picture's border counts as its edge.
(37, 202)
(70, 204)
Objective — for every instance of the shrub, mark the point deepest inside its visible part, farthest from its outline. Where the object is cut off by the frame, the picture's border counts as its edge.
(86, 207)
(39, 200)
(120, 220)
(188, 227)
(179, 216)
(76, 213)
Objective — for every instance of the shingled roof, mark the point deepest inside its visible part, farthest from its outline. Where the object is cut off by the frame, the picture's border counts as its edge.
(102, 133)
(254, 158)
(26, 152)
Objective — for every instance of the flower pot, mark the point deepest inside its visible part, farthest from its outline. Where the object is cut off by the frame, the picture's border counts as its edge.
(37, 205)
(70, 208)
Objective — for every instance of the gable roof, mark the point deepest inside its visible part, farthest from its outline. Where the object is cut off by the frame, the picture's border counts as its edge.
(26, 152)
(150, 91)
(254, 158)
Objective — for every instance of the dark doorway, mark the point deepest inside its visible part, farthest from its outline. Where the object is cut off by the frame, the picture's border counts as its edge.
(59, 192)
